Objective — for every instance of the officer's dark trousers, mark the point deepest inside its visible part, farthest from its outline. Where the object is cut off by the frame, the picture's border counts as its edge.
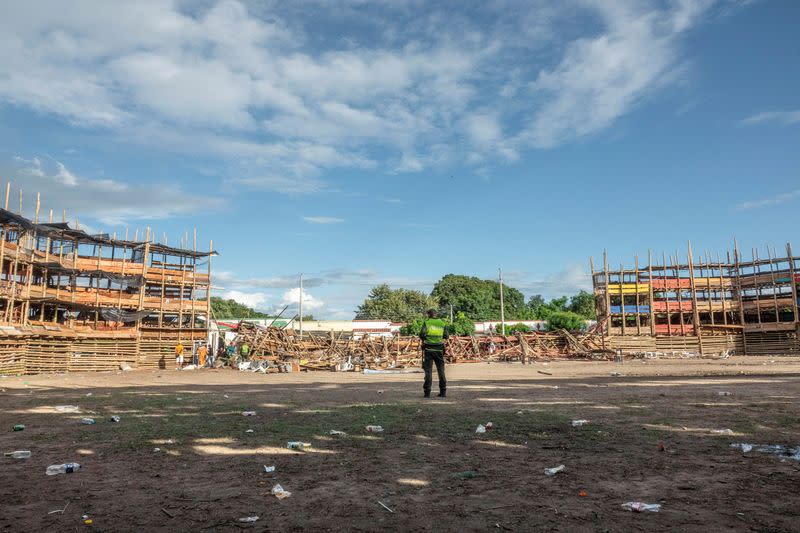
(429, 358)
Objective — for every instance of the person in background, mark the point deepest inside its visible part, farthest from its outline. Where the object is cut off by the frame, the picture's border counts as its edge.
(202, 352)
(179, 355)
(433, 334)
(231, 350)
(245, 350)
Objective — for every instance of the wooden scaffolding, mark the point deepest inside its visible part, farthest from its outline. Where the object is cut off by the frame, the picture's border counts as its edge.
(72, 300)
(754, 301)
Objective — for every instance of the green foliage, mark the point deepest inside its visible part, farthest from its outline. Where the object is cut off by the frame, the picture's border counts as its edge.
(511, 329)
(583, 304)
(308, 318)
(232, 309)
(479, 299)
(542, 310)
(412, 328)
(462, 325)
(565, 320)
(397, 305)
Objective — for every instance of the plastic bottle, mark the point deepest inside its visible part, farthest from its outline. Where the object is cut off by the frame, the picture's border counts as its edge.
(66, 468)
(579, 423)
(115, 418)
(297, 445)
(87, 421)
(19, 454)
(555, 470)
(18, 427)
(375, 429)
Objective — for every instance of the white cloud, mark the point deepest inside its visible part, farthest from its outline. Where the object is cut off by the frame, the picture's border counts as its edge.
(781, 117)
(259, 86)
(602, 78)
(107, 200)
(772, 200)
(323, 220)
(292, 299)
(254, 300)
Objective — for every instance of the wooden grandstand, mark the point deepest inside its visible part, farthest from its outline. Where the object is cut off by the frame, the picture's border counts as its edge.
(70, 300)
(744, 306)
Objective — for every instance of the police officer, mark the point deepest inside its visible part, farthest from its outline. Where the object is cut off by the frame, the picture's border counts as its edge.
(433, 333)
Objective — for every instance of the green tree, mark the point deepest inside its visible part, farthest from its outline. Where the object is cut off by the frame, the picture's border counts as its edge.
(397, 305)
(479, 299)
(565, 320)
(583, 304)
(412, 328)
(230, 308)
(514, 328)
(462, 325)
(535, 303)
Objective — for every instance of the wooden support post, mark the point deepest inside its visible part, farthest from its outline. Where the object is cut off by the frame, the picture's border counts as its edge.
(650, 292)
(696, 313)
(636, 293)
(774, 286)
(794, 285)
(607, 292)
(208, 289)
(622, 298)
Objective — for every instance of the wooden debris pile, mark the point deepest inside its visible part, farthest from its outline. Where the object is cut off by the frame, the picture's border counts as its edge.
(342, 352)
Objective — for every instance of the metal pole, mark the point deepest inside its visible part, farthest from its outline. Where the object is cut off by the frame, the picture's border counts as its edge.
(451, 313)
(502, 306)
(301, 306)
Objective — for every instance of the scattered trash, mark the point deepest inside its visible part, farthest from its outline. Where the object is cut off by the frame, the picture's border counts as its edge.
(59, 510)
(489, 426)
(189, 367)
(662, 447)
(248, 519)
(773, 449)
(467, 474)
(519, 412)
(87, 421)
(582, 493)
(125, 367)
(268, 469)
(638, 507)
(249, 431)
(179, 398)
(545, 373)
(225, 396)
(19, 454)
(156, 449)
(88, 394)
(248, 413)
(384, 506)
(555, 470)
(580, 422)
(298, 445)
(480, 429)
(725, 431)
(380, 391)
(115, 418)
(723, 393)
(66, 468)
(67, 408)
(280, 493)
(616, 374)
(169, 441)
(375, 429)
(338, 433)
(18, 427)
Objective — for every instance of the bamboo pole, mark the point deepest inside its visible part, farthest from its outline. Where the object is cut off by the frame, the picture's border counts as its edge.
(650, 292)
(696, 313)
(793, 283)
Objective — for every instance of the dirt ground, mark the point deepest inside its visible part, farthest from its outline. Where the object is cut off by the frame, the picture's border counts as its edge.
(209, 471)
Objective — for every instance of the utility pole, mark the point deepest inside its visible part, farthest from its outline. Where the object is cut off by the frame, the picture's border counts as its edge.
(301, 305)
(451, 313)
(502, 306)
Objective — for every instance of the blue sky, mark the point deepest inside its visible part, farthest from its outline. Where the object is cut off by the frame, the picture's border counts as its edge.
(398, 141)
